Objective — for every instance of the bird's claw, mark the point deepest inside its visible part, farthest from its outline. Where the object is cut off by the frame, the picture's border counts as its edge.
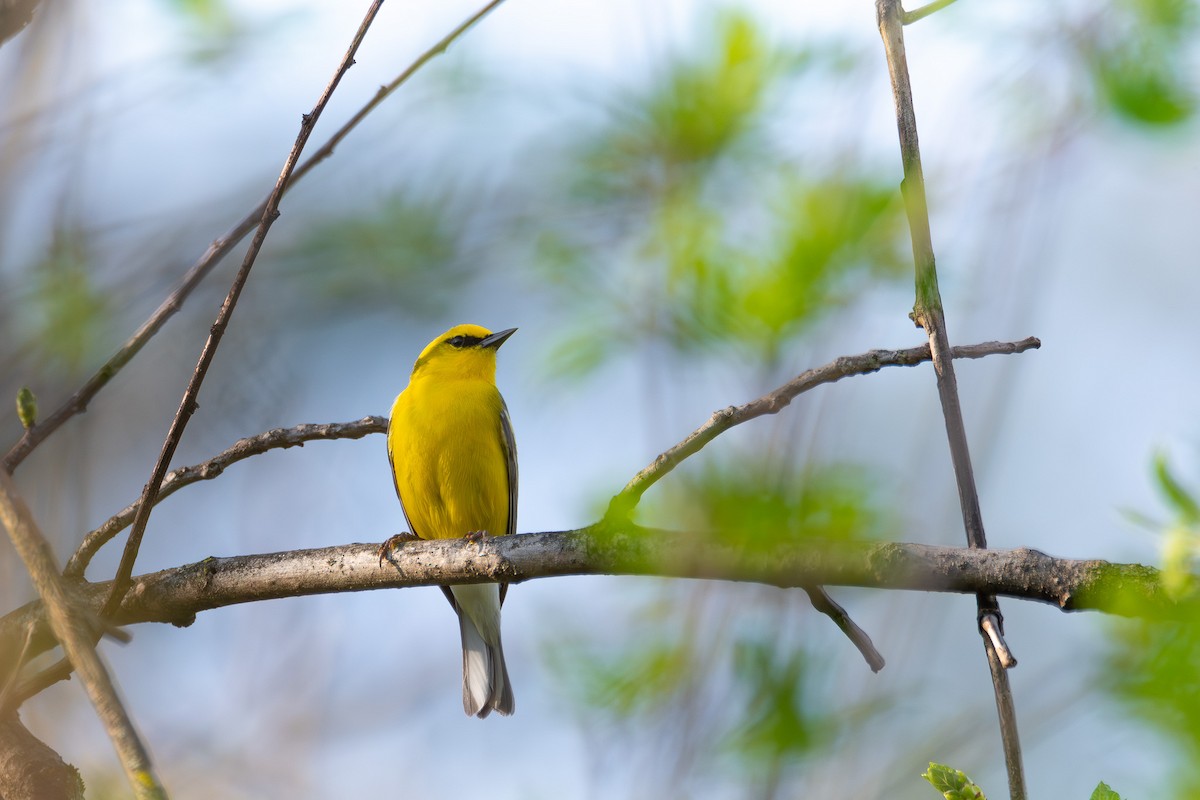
(385, 549)
(477, 537)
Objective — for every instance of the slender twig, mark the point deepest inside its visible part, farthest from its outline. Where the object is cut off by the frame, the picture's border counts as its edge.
(829, 607)
(188, 405)
(326, 150)
(991, 627)
(76, 640)
(928, 313)
(775, 401)
(15, 669)
(240, 450)
(78, 402)
(176, 595)
(909, 17)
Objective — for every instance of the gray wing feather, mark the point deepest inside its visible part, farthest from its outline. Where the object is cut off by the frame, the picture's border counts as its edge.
(509, 442)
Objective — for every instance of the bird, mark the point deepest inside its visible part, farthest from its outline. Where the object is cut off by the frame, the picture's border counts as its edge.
(454, 464)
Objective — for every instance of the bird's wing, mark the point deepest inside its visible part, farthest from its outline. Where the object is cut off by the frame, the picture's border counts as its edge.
(396, 486)
(508, 443)
(395, 483)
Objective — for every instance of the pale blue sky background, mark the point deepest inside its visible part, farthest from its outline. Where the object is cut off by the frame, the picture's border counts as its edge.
(1090, 246)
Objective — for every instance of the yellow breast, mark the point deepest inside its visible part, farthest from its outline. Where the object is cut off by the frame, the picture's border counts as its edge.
(451, 470)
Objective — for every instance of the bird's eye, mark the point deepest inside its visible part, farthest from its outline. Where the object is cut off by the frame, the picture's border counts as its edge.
(456, 341)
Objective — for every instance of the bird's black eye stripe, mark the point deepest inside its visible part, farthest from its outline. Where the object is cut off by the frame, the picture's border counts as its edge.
(463, 341)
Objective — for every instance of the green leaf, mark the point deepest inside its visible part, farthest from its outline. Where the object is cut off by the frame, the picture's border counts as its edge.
(1150, 669)
(1178, 497)
(1142, 88)
(1103, 792)
(1178, 560)
(952, 783)
(27, 409)
(407, 254)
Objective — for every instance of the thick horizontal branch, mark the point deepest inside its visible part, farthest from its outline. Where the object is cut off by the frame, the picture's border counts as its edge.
(177, 595)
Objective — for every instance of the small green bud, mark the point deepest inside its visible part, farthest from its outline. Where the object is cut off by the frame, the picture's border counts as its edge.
(26, 407)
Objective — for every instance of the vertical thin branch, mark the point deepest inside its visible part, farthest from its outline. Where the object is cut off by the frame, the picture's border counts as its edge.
(76, 640)
(928, 313)
(188, 405)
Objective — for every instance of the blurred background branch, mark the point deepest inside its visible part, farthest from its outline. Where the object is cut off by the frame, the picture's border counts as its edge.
(68, 619)
(14, 16)
(175, 480)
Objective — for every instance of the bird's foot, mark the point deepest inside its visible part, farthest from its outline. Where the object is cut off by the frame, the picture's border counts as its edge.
(385, 549)
(477, 537)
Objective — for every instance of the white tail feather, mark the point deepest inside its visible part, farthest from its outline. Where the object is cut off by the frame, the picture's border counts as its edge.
(485, 675)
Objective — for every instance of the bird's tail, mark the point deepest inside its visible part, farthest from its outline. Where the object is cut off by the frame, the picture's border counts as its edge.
(485, 675)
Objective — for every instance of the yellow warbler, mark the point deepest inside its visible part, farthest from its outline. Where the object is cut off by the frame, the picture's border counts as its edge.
(454, 461)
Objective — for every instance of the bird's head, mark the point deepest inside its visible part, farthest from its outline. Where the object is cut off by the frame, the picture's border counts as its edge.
(464, 352)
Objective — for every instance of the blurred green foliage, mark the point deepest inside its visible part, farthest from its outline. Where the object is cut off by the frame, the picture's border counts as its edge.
(1140, 54)
(690, 227)
(779, 717)
(1104, 792)
(1152, 667)
(406, 254)
(752, 503)
(641, 679)
(213, 30)
(1181, 536)
(771, 714)
(702, 232)
(68, 316)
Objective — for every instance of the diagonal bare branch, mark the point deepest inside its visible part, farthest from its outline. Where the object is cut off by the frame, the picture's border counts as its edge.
(188, 405)
(64, 621)
(775, 401)
(78, 402)
(240, 450)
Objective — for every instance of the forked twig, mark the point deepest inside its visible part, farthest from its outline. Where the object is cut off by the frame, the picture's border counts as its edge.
(928, 313)
(924, 11)
(240, 450)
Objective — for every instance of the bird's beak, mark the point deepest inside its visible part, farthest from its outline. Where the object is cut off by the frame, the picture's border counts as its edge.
(496, 339)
